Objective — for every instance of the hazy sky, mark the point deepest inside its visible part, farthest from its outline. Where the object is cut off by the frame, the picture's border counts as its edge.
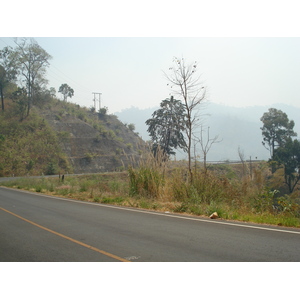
(246, 54)
(129, 71)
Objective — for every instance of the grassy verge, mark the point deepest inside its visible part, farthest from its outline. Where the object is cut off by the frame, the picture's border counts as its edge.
(241, 200)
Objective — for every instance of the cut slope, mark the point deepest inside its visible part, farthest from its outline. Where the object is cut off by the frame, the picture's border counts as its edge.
(93, 142)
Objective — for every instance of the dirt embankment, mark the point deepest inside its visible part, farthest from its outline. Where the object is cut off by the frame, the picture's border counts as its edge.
(95, 144)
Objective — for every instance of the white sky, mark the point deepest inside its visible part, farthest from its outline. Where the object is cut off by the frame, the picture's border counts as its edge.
(248, 65)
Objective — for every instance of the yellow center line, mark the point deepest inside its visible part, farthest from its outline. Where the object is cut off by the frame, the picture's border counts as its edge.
(68, 238)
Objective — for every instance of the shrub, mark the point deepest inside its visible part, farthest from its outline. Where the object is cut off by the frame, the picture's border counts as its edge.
(30, 165)
(287, 204)
(81, 115)
(38, 189)
(88, 157)
(131, 127)
(108, 200)
(118, 151)
(50, 170)
(103, 111)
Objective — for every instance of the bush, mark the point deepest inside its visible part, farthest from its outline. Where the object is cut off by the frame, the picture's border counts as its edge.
(88, 157)
(263, 201)
(30, 165)
(50, 169)
(289, 205)
(103, 111)
(82, 116)
(131, 127)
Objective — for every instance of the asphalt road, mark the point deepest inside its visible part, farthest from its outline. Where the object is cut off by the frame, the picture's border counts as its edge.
(34, 227)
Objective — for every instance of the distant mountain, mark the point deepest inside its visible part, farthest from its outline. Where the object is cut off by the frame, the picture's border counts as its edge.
(137, 117)
(236, 127)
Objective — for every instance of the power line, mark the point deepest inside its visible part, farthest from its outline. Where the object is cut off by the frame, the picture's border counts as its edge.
(55, 73)
(60, 79)
(70, 78)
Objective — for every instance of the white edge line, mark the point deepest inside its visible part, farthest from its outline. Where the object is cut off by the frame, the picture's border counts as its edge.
(152, 212)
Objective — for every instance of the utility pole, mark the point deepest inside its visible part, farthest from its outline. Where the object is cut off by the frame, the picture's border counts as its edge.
(99, 99)
(94, 102)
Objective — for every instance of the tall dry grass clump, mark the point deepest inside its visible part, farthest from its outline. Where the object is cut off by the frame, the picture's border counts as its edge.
(219, 187)
(152, 177)
(148, 177)
(206, 194)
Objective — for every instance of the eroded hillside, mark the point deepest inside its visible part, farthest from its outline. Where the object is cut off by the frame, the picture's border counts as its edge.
(62, 137)
(93, 142)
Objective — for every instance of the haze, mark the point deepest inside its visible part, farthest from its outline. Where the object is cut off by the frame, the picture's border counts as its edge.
(128, 72)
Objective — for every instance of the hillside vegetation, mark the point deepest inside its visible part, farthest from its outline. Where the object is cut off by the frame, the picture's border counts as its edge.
(30, 147)
(60, 137)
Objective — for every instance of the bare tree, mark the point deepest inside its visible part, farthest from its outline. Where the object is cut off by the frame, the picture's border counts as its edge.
(188, 87)
(207, 144)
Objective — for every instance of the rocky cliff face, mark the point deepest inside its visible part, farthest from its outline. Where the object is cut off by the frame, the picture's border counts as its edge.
(93, 142)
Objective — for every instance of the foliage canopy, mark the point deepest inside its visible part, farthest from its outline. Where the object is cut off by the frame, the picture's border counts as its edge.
(32, 61)
(166, 126)
(276, 130)
(66, 90)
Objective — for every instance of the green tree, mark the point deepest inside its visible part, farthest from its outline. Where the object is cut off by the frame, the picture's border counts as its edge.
(103, 111)
(32, 61)
(8, 70)
(166, 126)
(52, 92)
(20, 98)
(288, 155)
(276, 130)
(187, 85)
(131, 127)
(66, 90)
(50, 169)
(41, 95)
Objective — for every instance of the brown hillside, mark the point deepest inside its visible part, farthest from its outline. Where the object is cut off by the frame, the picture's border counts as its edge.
(93, 142)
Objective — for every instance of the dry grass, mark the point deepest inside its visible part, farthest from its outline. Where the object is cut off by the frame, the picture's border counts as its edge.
(163, 186)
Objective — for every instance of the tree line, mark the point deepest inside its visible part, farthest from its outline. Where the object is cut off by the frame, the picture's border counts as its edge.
(26, 64)
(174, 126)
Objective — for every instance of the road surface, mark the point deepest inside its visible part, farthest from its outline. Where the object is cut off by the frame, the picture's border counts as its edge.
(34, 227)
